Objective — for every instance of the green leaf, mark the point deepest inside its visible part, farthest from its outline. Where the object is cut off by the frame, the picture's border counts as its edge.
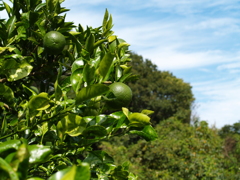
(39, 153)
(21, 161)
(8, 169)
(10, 145)
(58, 90)
(11, 25)
(80, 172)
(72, 124)
(4, 126)
(10, 49)
(6, 92)
(39, 6)
(148, 133)
(15, 71)
(90, 91)
(88, 73)
(147, 112)
(39, 102)
(98, 43)
(105, 20)
(109, 24)
(125, 111)
(8, 9)
(76, 79)
(105, 64)
(97, 131)
(89, 45)
(98, 157)
(50, 5)
(78, 63)
(30, 90)
(138, 120)
(118, 73)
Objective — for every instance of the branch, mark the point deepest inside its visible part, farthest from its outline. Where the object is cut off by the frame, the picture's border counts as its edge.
(3, 80)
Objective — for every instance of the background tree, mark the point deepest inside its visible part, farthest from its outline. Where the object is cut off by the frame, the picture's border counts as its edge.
(160, 91)
(181, 152)
(231, 138)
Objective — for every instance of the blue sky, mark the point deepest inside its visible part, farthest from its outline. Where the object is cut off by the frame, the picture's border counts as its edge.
(196, 40)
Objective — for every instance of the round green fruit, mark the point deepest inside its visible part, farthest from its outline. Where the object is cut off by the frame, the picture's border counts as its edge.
(54, 42)
(120, 95)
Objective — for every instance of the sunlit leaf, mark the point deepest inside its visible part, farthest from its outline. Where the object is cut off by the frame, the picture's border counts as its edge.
(78, 63)
(80, 172)
(4, 166)
(148, 133)
(39, 153)
(17, 71)
(105, 64)
(138, 119)
(147, 112)
(76, 79)
(90, 91)
(72, 125)
(39, 102)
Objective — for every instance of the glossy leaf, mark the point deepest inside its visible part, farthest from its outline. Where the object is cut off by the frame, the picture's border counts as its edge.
(78, 63)
(80, 172)
(4, 166)
(105, 20)
(90, 91)
(76, 79)
(98, 43)
(98, 157)
(72, 124)
(16, 71)
(138, 120)
(148, 133)
(89, 46)
(39, 102)
(96, 131)
(8, 9)
(11, 25)
(35, 178)
(21, 161)
(105, 64)
(9, 145)
(147, 112)
(88, 73)
(39, 153)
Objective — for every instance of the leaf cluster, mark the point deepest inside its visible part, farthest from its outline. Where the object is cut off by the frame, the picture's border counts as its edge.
(52, 108)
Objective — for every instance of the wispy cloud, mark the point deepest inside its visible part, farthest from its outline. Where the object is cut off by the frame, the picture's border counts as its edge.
(196, 40)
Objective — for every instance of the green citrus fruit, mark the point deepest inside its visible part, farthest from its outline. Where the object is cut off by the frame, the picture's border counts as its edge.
(54, 42)
(120, 96)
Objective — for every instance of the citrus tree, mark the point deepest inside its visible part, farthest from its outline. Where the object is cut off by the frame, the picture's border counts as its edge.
(58, 83)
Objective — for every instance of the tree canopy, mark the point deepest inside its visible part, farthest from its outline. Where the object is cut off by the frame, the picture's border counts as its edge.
(160, 91)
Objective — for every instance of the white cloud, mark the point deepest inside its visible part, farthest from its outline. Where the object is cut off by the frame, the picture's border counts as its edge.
(220, 100)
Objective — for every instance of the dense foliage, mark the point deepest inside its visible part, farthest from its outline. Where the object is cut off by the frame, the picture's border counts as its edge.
(181, 152)
(52, 104)
(160, 91)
